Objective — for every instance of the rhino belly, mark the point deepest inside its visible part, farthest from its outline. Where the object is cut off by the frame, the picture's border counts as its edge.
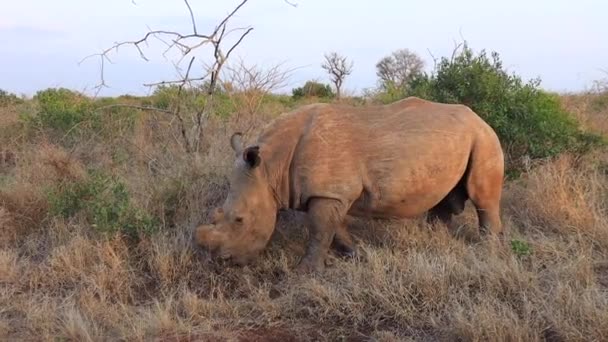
(403, 195)
(407, 206)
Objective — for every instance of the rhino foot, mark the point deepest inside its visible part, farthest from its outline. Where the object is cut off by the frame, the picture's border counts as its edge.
(343, 244)
(308, 266)
(344, 251)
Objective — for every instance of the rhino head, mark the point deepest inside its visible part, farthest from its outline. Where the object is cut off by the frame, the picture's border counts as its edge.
(243, 225)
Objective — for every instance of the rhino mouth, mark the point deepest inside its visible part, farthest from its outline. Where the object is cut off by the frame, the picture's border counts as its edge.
(225, 256)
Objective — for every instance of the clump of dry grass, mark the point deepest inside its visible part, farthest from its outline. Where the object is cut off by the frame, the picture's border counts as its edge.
(59, 279)
(590, 109)
(565, 197)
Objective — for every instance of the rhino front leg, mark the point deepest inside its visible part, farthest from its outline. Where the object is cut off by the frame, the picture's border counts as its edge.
(325, 216)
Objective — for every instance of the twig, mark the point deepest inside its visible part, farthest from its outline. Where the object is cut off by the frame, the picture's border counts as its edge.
(223, 23)
(238, 42)
(175, 81)
(433, 57)
(155, 109)
(191, 17)
(185, 43)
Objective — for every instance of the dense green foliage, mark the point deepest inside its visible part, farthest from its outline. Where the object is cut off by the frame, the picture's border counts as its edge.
(193, 100)
(529, 121)
(62, 109)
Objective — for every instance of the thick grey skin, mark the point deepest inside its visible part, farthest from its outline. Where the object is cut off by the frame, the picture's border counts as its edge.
(396, 162)
(400, 160)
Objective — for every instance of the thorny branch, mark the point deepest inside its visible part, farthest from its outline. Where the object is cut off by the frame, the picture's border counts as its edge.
(191, 17)
(180, 41)
(186, 44)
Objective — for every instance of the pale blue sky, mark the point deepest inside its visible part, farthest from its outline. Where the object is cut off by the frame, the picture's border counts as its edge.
(563, 42)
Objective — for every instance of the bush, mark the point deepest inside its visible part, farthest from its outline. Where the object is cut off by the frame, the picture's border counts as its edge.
(61, 109)
(313, 89)
(7, 99)
(105, 203)
(114, 117)
(529, 121)
(192, 100)
(164, 96)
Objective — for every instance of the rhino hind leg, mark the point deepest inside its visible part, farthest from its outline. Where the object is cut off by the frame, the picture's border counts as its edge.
(484, 186)
(343, 243)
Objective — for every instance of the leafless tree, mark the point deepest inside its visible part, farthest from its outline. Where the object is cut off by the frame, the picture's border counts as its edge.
(338, 68)
(249, 84)
(187, 43)
(398, 69)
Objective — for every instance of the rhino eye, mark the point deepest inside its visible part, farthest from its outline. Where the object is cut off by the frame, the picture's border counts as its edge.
(239, 219)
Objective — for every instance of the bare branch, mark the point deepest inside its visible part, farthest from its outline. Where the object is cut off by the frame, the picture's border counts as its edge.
(456, 48)
(150, 108)
(191, 17)
(185, 44)
(185, 79)
(433, 58)
(181, 41)
(238, 42)
(223, 23)
(180, 81)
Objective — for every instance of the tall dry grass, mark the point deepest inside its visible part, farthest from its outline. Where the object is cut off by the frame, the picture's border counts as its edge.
(61, 279)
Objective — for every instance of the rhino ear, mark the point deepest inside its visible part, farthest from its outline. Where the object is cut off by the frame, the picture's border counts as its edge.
(251, 155)
(236, 141)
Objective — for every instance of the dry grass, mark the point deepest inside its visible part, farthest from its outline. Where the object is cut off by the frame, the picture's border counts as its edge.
(591, 109)
(60, 279)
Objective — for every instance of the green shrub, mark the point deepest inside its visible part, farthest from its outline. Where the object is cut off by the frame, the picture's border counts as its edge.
(8, 99)
(114, 116)
(520, 248)
(105, 203)
(529, 121)
(192, 100)
(313, 89)
(164, 96)
(61, 109)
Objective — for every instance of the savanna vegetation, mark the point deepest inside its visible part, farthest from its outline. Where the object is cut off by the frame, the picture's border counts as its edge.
(99, 197)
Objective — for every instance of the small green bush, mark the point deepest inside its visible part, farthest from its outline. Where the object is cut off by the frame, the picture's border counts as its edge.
(62, 110)
(530, 122)
(313, 89)
(105, 203)
(520, 248)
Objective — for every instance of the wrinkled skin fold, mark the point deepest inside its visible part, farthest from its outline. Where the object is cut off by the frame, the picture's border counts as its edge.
(399, 160)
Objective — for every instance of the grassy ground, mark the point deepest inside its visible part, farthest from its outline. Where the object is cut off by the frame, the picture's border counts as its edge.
(61, 278)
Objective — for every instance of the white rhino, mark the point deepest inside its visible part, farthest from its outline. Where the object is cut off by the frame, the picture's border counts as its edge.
(331, 160)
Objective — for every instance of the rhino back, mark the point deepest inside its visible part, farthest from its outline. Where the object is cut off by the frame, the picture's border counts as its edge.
(393, 160)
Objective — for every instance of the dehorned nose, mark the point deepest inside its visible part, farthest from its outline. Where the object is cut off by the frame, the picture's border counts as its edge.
(201, 233)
